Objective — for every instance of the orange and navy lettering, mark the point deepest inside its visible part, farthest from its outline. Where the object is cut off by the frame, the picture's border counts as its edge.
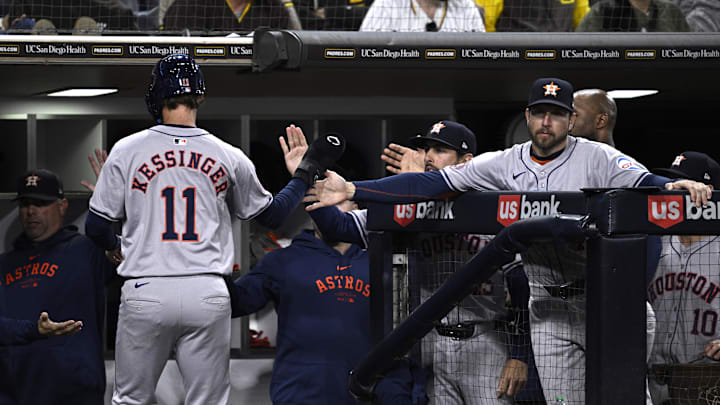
(169, 159)
(346, 283)
(31, 269)
(696, 283)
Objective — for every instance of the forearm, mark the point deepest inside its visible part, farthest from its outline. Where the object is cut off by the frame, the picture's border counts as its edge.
(519, 289)
(17, 331)
(654, 180)
(100, 231)
(247, 295)
(283, 204)
(402, 188)
(337, 225)
(519, 340)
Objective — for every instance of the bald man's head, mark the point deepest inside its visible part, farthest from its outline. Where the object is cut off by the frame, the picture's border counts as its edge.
(596, 115)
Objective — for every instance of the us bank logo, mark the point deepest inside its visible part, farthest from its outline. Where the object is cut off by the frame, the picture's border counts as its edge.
(512, 208)
(666, 211)
(404, 214)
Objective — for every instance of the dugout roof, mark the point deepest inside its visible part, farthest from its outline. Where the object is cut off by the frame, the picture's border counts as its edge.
(486, 68)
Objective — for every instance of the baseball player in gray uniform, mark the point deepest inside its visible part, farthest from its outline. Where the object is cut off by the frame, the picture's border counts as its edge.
(551, 161)
(684, 289)
(174, 187)
(471, 360)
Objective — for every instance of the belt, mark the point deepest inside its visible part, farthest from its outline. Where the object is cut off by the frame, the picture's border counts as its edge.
(126, 278)
(458, 331)
(567, 290)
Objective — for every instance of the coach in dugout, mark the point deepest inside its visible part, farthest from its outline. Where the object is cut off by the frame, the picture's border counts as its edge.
(476, 356)
(54, 268)
(551, 161)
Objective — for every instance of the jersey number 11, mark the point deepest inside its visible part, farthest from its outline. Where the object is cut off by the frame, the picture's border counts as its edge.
(168, 193)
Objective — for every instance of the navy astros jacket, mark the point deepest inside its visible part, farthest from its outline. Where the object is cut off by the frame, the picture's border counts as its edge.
(322, 301)
(64, 276)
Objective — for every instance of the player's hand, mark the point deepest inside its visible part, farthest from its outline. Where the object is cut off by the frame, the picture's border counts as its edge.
(96, 165)
(401, 159)
(115, 256)
(328, 192)
(47, 327)
(294, 148)
(512, 378)
(699, 193)
(712, 349)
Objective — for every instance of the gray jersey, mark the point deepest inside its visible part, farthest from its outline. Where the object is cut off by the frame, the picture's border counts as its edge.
(173, 188)
(685, 297)
(583, 164)
(443, 254)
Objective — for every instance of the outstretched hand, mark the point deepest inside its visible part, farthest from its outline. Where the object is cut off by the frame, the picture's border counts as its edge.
(295, 147)
(401, 159)
(96, 165)
(328, 192)
(699, 193)
(47, 327)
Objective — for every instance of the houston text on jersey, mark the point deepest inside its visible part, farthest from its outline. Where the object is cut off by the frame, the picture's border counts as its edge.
(687, 281)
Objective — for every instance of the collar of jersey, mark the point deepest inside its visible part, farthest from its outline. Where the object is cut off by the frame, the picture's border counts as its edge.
(179, 130)
(555, 160)
(679, 248)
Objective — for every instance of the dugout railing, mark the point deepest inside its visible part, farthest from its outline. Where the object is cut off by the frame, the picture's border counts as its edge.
(615, 224)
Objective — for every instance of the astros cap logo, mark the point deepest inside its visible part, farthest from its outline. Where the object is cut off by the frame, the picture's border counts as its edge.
(32, 180)
(678, 160)
(551, 89)
(437, 127)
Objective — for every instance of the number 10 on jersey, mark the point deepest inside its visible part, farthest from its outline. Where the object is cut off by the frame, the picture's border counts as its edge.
(188, 194)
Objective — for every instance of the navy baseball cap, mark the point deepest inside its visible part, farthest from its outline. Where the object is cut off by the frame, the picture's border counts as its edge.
(40, 184)
(450, 133)
(551, 90)
(694, 166)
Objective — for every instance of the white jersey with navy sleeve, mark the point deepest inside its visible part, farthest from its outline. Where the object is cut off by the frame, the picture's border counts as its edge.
(583, 164)
(173, 189)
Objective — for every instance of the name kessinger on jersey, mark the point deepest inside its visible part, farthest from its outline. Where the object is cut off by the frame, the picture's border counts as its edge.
(168, 160)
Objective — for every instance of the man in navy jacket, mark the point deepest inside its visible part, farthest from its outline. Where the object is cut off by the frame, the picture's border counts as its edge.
(56, 269)
(321, 292)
